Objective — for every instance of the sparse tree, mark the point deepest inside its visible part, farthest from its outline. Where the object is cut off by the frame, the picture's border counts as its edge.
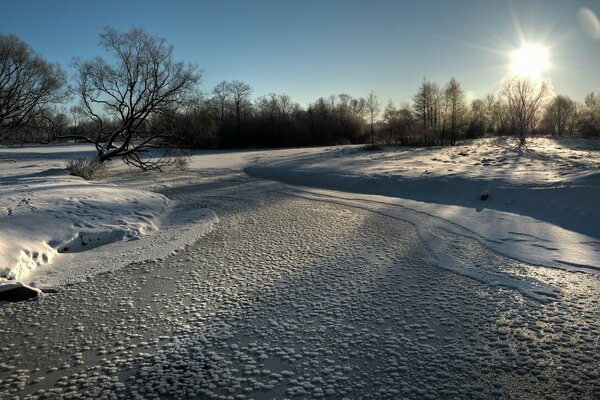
(525, 99)
(560, 116)
(389, 117)
(221, 98)
(240, 97)
(478, 118)
(122, 97)
(456, 108)
(268, 106)
(588, 121)
(286, 106)
(406, 124)
(426, 104)
(29, 86)
(372, 108)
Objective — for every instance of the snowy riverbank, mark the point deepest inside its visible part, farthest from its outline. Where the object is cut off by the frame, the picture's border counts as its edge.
(542, 204)
(541, 209)
(59, 229)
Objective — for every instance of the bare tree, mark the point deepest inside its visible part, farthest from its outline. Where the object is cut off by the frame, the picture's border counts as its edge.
(121, 98)
(525, 98)
(269, 107)
(286, 106)
(29, 85)
(479, 120)
(389, 117)
(560, 116)
(373, 108)
(240, 96)
(426, 104)
(221, 98)
(456, 108)
(588, 121)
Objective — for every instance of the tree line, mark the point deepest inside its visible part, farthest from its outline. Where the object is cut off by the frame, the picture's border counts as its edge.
(138, 99)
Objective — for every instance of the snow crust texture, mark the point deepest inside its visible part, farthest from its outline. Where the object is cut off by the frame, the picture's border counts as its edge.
(297, 298)
(315, 293)
(542, 205)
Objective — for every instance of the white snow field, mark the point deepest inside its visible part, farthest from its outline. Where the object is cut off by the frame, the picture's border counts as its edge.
(331, 280)
(59, 229)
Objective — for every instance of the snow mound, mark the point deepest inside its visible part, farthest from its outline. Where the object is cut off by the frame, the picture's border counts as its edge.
(43, 221)
(59, 229)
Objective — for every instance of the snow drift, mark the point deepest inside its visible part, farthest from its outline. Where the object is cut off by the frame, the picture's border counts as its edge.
(58, 228)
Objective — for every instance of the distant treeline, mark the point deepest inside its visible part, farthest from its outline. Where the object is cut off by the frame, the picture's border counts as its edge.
(230, 116)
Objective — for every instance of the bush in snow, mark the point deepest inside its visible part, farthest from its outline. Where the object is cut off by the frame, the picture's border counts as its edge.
(86, 169)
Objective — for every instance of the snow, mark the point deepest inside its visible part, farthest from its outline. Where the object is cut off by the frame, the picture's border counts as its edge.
(542, 206)
(307, 292)
(58, 229)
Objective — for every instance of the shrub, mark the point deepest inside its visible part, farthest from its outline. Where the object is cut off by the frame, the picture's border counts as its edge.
(86, 169)
(181, 163)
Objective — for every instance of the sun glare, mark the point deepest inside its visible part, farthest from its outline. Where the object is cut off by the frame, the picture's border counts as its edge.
(530, 60)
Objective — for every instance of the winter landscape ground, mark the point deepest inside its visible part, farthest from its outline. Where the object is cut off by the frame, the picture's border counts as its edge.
(461, 272)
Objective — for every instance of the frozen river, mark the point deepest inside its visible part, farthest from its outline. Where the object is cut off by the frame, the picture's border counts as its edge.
(294, 296)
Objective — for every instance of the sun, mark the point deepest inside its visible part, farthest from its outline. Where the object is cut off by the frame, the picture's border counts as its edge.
(530, 60)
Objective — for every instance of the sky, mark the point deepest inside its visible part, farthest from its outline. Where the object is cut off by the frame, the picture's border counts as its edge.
(314, 48)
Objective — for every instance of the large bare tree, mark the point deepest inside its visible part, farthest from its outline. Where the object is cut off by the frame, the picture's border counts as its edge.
(525, 99)
(123, 95)
(29, 85)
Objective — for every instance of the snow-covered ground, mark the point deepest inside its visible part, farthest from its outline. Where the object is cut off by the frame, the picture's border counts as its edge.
(59, 229)
(332, 288)
(542, 205)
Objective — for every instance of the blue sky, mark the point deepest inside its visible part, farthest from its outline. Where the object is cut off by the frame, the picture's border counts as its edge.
(312, 48)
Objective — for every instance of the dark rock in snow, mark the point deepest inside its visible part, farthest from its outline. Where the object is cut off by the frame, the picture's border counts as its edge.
(484, 195)
(16, 291)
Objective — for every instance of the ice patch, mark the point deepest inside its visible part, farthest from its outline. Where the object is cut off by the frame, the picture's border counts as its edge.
(445, 259)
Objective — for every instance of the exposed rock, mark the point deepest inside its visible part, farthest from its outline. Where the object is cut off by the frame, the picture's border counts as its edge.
(484, 195)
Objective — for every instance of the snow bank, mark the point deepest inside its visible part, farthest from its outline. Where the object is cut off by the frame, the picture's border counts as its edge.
(59, 229)
(542, 207)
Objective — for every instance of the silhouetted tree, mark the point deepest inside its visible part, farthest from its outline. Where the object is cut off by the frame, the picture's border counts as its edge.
(221, 101)
(122, 97)
(588, 121)
(525, 98)
(29, 86)
(454, 97)
(478, 118)
(560, 116)
(426, 104)
(372, 108)
(240, 96)
(389, 118)
(192, 126)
